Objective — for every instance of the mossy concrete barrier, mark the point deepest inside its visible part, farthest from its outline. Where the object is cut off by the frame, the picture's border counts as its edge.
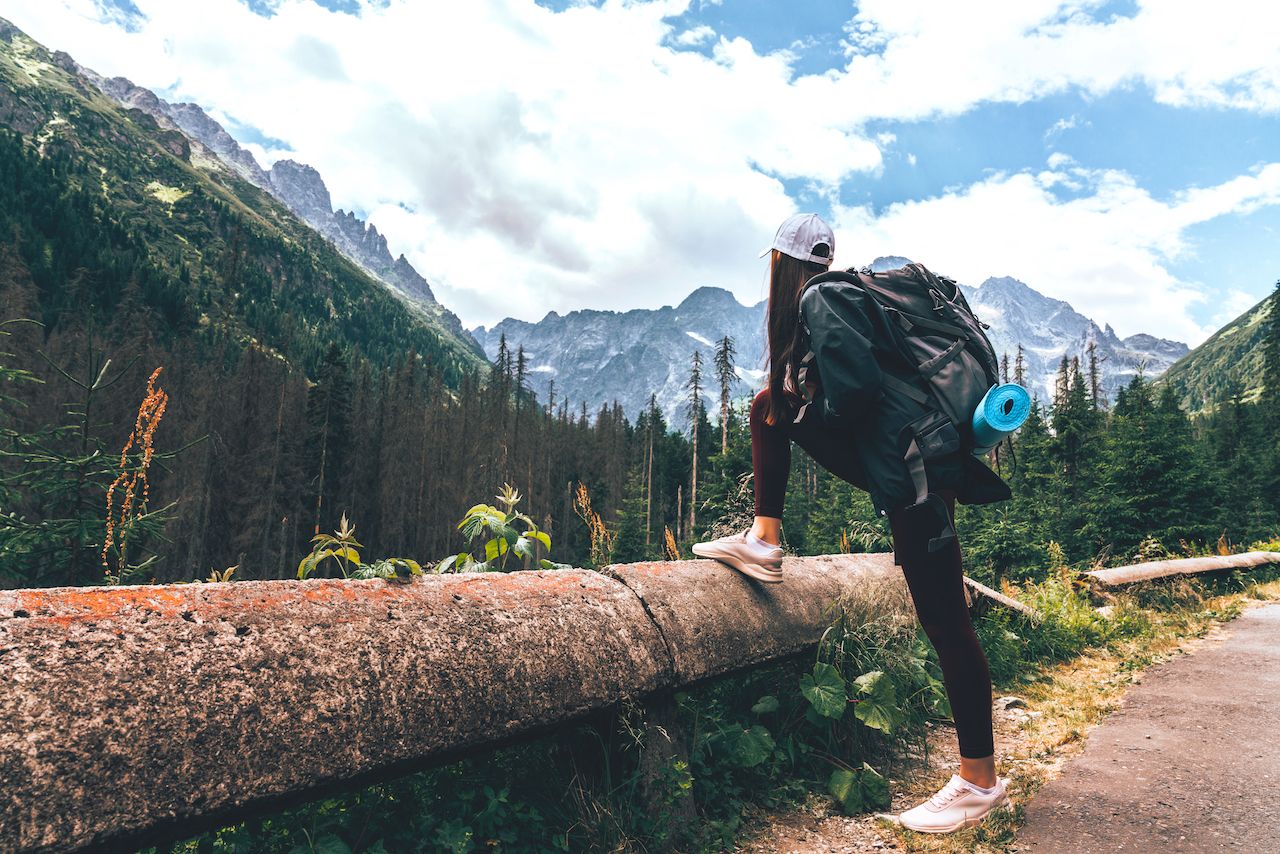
(135, 714)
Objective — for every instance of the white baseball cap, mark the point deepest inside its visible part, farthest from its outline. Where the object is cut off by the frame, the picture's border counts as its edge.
(800, 235)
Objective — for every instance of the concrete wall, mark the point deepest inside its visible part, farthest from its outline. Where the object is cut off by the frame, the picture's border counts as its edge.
(134, 713)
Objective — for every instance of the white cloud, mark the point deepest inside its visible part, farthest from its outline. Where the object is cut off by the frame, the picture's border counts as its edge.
(1058, 160)
(1231, 305)
(936, 57)
(1060, 126)
(1106, 251)
(522, 159)
(527, 160)
(695, 36)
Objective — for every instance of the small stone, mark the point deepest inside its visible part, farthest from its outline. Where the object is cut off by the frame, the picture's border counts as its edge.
(1005, 703)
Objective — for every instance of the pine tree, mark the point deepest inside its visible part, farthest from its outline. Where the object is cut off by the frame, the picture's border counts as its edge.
(1033, 512)
(1004, 368)
(726, 375)
(654, 420)
(500, 371)
(1154, 483)
(520, 373)
(1095, 376)
(328, 419)
(695, 410)
(1020, 368)
(1077, 429)
(1062, 383)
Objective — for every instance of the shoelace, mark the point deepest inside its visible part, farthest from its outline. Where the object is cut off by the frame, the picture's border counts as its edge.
(949, 793)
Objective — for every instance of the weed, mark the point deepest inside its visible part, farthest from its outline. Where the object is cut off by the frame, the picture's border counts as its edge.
(341, 549)
(601, 537)
(504, 531)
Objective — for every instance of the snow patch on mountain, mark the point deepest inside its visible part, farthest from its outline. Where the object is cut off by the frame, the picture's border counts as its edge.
(602, 356)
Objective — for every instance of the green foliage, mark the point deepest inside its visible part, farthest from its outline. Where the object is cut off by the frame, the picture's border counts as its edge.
(55, 484)
(1232, 358)
(824, 688)
(1069, 625)
(1105, 487)
(340, 549)
(858, 790)
(500, 531)
(876, 701)
(470, 806)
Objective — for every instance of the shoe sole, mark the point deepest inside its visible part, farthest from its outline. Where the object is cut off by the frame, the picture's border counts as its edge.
(752, 570)
(967, 822)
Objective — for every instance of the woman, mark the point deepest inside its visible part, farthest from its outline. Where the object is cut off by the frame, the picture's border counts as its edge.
(850, 427)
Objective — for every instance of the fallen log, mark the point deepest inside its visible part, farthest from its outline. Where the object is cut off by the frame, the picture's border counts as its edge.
(1008, 602)
(1134, 573)
(207, 703)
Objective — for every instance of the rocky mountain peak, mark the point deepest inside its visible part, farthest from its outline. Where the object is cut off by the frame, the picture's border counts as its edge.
(1142, 342)
(889, 262)
(1007, 287)
(124, 91)
(301, 188)
(192, 120)
(708, 299)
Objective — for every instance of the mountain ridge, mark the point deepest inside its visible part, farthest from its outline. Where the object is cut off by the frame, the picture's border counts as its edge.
(299, 186)
(212, 250)
(579, 350)
(1229, 362)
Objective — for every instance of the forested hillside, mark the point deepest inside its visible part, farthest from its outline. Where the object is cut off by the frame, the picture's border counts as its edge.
(1228, 365)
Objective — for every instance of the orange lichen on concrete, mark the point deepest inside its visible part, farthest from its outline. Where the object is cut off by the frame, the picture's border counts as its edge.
(79, 604)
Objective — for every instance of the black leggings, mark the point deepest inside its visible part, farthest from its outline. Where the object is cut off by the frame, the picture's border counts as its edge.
(934, 579)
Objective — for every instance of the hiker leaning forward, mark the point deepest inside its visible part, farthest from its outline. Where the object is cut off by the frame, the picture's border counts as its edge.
(831, 359)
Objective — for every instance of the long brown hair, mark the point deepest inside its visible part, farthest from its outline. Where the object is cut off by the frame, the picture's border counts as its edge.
(787, 277)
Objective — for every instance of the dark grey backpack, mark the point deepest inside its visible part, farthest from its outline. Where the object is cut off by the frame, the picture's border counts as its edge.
(936, 333)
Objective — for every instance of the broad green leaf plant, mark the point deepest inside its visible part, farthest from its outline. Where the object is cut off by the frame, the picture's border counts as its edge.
(341, 549)
(503, 531)
(880, 666)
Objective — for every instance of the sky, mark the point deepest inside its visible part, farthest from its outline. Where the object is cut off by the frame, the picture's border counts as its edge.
(535, 156)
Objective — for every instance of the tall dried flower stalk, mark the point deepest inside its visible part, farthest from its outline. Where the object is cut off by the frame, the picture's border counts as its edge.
(127, 496)
(601, 536)
(669, 543)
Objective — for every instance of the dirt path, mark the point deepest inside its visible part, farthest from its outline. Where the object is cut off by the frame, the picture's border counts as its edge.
(1189, 763)
(820, 830)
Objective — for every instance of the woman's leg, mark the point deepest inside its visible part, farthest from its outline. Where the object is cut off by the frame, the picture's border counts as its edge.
(771, 464)
(936, 582)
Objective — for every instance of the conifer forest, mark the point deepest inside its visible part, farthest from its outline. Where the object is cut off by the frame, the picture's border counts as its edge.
(264, 442)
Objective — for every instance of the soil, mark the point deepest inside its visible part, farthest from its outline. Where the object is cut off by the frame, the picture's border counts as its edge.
(820, 828)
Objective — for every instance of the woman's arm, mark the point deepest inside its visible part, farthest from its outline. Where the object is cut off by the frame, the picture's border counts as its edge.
(840, 337)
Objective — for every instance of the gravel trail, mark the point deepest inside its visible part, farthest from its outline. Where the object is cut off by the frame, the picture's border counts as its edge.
(1189, 763)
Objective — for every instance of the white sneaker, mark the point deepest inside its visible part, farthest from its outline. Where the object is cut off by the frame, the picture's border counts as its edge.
(959, 804)
(749, 555)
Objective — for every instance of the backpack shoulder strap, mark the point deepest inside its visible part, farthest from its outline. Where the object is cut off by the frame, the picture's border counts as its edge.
(845, 276)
